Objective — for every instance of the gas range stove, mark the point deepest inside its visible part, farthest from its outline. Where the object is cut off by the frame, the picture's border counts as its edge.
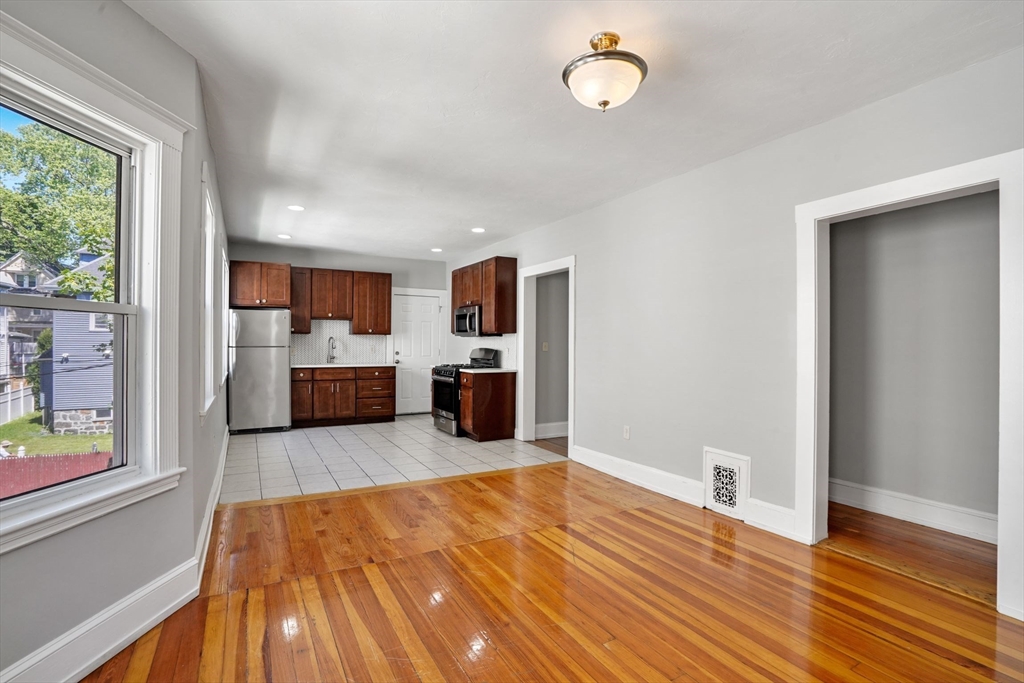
(450, 369)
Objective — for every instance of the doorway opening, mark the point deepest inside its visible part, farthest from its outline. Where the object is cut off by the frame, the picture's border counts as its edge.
(546, 346)
(415, 345)
(1002, 172)
(914, 392)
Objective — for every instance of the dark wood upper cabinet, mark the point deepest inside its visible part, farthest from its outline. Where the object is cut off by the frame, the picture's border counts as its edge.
(472, 285)
(341, 293)
(301, 299)
(371, 301)
(246, 283)
(253, 284)
(277, 284)
(490, 284)
(322, 307)
(498, 307)
(302, 401)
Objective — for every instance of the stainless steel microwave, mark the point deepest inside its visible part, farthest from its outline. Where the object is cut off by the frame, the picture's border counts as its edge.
(467, 321)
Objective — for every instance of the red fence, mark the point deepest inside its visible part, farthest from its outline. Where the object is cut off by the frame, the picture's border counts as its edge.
(18, 475)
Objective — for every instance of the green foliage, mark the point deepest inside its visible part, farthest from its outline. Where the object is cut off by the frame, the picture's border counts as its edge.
(58, 194)
(43, 344)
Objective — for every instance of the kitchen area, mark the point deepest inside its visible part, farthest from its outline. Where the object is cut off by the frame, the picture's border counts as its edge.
(313, 400)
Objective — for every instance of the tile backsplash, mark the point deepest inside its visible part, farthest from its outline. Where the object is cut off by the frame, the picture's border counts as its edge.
(311, 349)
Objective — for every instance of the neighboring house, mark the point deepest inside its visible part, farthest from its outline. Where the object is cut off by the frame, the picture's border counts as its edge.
(77, 374)
(20, 272)
(19, 333)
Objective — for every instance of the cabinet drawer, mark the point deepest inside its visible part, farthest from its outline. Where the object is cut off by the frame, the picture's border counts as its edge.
(302, 374)
(368, 407)
(465, 379)
(371, 388)
(376, 373)
(334, 373)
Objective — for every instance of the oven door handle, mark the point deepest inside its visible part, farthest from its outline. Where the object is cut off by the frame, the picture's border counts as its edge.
(446, 380)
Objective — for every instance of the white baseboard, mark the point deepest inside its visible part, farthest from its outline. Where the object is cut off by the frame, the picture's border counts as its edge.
(958, 520)
(203, 540)
(672, 485)
(551, 430)
(79, 651)
(773, 518)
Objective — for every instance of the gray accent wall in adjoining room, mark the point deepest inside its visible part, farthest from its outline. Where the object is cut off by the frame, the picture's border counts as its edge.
(914, 402)
(553, 364)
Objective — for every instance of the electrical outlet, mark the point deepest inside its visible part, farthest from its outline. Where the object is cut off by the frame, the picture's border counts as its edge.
(293, 350)
(544, 346)
(625, 432)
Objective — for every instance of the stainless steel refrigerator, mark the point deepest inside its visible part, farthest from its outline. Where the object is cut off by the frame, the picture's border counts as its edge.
(260, 376)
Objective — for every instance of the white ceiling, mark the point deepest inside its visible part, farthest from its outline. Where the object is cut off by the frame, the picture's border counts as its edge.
(400, 126)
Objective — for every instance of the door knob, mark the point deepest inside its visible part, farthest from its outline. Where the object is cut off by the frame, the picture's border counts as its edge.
(397, 362)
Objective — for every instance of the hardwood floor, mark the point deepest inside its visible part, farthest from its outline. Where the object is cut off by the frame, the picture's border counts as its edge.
(952, 562)
(559, 445)
(555, 573)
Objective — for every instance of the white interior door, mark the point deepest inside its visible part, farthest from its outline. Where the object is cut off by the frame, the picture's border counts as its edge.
(415, 326)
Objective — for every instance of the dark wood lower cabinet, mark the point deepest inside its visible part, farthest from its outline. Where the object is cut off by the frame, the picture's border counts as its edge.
(487, 408)
(302, 401)
(336, 396)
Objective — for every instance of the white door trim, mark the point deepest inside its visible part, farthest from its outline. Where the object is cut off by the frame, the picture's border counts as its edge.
(442, 316)
(526, 347)
(1004, 172)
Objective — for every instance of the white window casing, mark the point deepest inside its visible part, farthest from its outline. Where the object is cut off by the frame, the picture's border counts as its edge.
(46, 77)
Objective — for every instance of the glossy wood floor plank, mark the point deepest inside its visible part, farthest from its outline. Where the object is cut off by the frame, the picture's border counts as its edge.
(551, 574)
(946, 560)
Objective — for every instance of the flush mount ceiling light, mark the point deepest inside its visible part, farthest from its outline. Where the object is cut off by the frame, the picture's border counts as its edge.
(478, 230)
(284, 237)
(435, 249)
(296, 207)
(607, 77)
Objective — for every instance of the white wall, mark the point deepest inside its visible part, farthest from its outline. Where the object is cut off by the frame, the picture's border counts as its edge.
(686, 290)
(412, 273)
(914, 405)
(552, 365)
(51, 586)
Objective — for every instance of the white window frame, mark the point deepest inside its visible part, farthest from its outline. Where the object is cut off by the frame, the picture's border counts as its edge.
(207, 328)
(225, 310)
(46, 77)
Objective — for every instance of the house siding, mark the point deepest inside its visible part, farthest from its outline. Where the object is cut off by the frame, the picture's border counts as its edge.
(84, 379)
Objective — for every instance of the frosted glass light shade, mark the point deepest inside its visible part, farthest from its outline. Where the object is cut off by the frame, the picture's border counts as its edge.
(613, 81)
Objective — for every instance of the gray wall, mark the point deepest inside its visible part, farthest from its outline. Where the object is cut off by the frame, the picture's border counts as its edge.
(413, 273)
(51, 586)
(686, 290)
(553, 364)
(915, 351)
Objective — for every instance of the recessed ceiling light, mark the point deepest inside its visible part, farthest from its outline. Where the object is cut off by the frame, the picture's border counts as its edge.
(435, 249)
(296, 207)
(285, 237)
(478, 230)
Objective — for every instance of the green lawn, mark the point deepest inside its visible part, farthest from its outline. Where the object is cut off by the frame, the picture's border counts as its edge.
(28, 431)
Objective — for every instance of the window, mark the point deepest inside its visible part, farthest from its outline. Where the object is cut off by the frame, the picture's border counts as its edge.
(208, 327)
(100, 322)
(120, 258)
(225, 312)
(64, 198)
(103, 413)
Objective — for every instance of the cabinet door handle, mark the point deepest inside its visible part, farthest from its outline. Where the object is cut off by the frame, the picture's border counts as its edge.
(309, 389)
(377, 388)
(332, 387)
(329, 315)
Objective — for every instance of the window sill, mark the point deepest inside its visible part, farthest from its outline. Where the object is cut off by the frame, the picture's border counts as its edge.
(25, 522)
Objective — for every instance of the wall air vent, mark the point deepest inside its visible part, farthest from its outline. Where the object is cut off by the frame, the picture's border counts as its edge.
(726, 482)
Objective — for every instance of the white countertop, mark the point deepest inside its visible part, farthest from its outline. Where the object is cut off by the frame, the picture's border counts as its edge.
(485, 371)
(343, 365)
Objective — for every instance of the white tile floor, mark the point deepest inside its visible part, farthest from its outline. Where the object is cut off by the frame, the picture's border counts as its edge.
(321, 459)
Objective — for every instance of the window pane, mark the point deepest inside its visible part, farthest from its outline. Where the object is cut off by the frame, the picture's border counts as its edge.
(59, 198)
(60, 407)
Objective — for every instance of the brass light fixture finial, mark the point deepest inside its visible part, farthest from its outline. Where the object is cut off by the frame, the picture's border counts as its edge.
(605, 40)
